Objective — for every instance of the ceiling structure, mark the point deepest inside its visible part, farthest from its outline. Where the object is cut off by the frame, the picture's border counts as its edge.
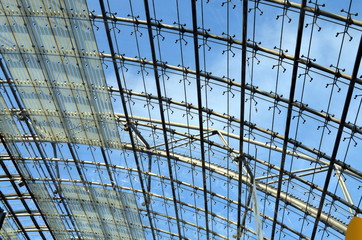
(170, 119)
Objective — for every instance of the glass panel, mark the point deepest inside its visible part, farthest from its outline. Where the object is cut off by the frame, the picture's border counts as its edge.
(104, 213)
(49, 210)
(8, 232)
(58, 73)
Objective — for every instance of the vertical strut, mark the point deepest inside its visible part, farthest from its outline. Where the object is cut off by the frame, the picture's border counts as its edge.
(199, 102)
(120, 86)
(159, 94)
(289, 113)
(339, 135)
(242, 113)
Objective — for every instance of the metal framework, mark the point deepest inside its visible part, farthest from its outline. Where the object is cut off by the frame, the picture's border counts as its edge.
(170, 119)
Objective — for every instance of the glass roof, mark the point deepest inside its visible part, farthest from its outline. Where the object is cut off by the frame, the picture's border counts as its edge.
(168, 119)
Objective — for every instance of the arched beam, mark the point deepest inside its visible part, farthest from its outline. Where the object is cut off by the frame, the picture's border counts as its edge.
(291, 175)
(223, 198)
(319, 154)
(228, 221)
(314, 151)
(317, 11)
(268, 165)
(253, 89)
(225, 39)
(33, 213)
(291, 200)
(272, 166)
(288, 199)
(44, 228)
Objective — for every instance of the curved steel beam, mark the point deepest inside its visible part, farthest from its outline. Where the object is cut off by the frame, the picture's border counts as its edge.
(255, 47)
(291, 175)
(250, 125)
(310, 210)
(348, 170)
(253, 89)
(44, 228)
(224, 198)
(319, 12)
(138, 191)
(314, 151)
(33, 213)
(271, 166)
(288, 199)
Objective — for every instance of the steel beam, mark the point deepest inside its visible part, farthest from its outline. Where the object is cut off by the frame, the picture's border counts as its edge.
(339, 136)
(274, 53)
(124, 105)
(317, 11)
(161, 110)
(343, 186)
(253, 89)
(288, 120)
(236, 153)
(241, 132)
(288, 199)
(195, 28)
(16, 219)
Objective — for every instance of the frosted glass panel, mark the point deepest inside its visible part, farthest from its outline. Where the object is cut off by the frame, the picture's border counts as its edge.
(49, 210)
(8, 232)
(104, 213)
(8, 127)
(53, 59)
